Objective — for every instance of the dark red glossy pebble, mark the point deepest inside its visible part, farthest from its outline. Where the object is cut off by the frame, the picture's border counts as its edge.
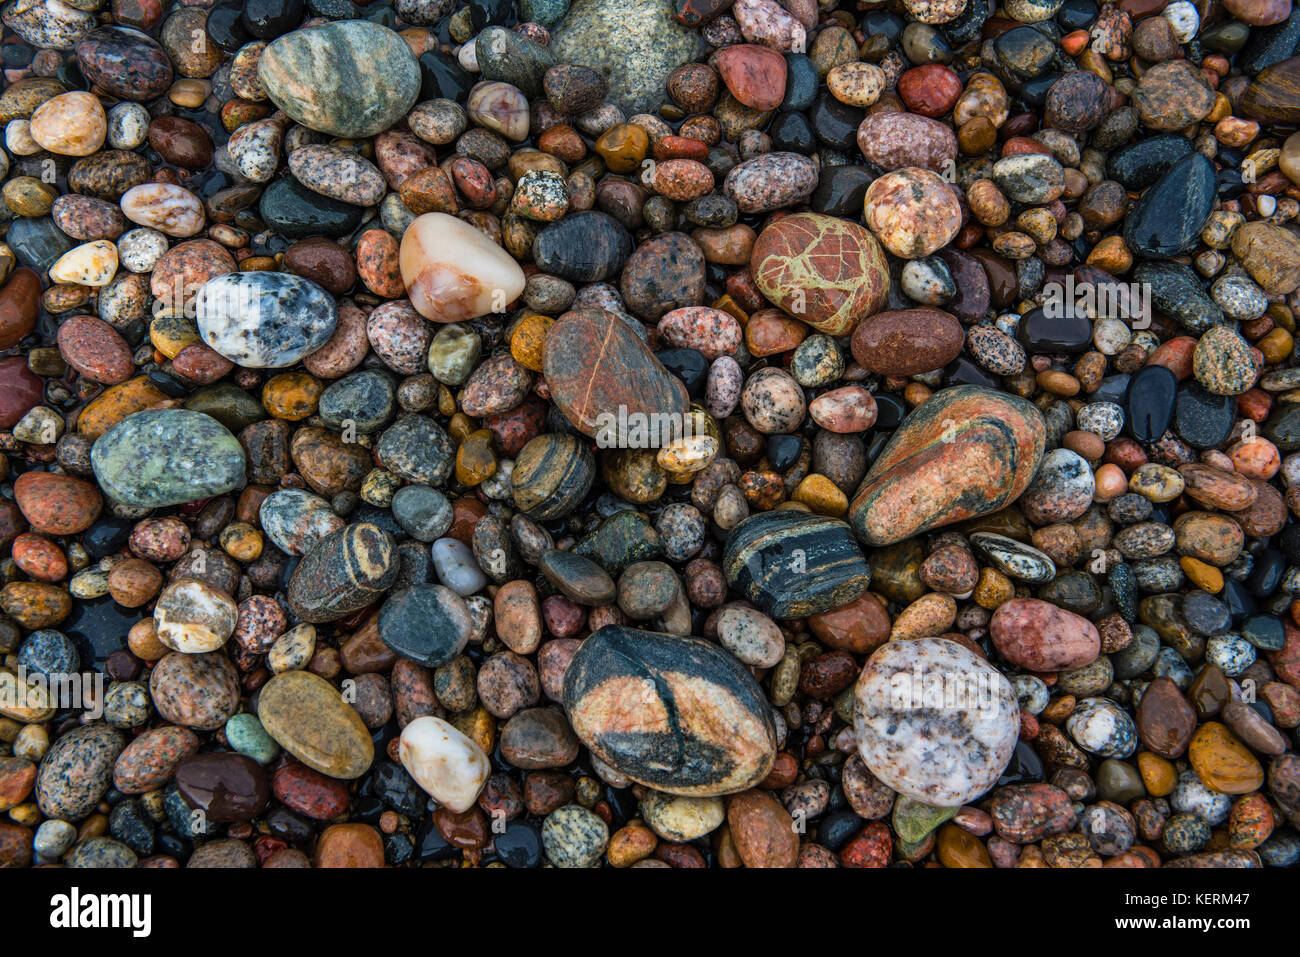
(225, 786)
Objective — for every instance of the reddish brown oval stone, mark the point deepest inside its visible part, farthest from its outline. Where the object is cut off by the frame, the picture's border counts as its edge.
(1165, 720)
(1039, 636)
(596, 365)
(755, 75)
(907, 342)
(20, 305)
(95, 349)
(20, 390)
(57, 504)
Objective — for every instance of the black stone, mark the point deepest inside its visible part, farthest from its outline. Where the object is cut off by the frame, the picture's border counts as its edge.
(968, 24)
(890, 411)
(441, 77)
(520, 845)
(1265, 632)
(1076, 15)
(1203, 419)
(583, 247)
(293, 210)
(1270, 45)
(690, 366)
(961, 371)
(1113, 388)
(783, 451)
(1266, 576)
(1205, 614)
(268, 19)
(107, 536)
(1168, 219)
(834, 123)
(801, 83)
(840, 191)
(1176, 290)
(1070, 332)
(1240, 602)
(225, 27)
(1025, 767)
(414, 623)
(1150, 403)
(1140, 164)
(1024, 51)
(792, 133)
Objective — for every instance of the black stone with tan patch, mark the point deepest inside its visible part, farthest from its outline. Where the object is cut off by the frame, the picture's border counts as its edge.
(671, 712)
(794, 564)
(343, 572)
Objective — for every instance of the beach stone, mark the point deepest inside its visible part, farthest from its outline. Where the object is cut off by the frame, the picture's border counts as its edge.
(167, 457)
(1270, 254)
(429, 624)
(634, 44)
(449, 766)
(754, 75)
(417, 449)
(262, 320)
(199, 692)
(663, 274)
(308, 717)
(1103, 728)
(1169, 217)
(349, 78)
(923, 481)
(825, 271)
(338, 174)
(1061, 490)
(573, 836)
(1037, 635)
(452, 272)
(943, 740)
(193, 617)
(55, 504)
(770, 181)
(897, 140)
(1171, 96)
(552, 475)
(794, 564)
(666, 740)
(587, 246)
(150, 759)
(907, 341)
(76, 771)
(343, 572)
(605, 380)
(912, 211)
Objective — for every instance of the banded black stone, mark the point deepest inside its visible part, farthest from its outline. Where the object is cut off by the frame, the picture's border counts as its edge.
(793, 564)
(553, 474)
(344, 572)
(671, 712)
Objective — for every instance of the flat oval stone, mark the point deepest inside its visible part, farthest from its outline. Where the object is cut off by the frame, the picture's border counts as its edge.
(126, 63)
(429, 624)
(167, 457)
(307, 716)
(671, 712)
(934, 721)
(794, 564)
(1038, 636)
(337, 173)
(225, 786)
(825, 271)
(587, 246)
(344, 572)
(1168, 219)
(770, 181)
(293, 210)
(906, 342)
(1140, 164)
(966, 451)
(1149, 404)
(552, 475)
(606, 380)
(663, 274)
(893, 140)
(77, 770)
(349, 78)
(195, 691)
(264, 320)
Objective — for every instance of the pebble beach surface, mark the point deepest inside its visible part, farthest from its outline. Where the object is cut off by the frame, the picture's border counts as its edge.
(650, 433)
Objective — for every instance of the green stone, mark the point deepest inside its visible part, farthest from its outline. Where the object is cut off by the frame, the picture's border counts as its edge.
(247, 736)
(621, 540)
(634, 43)
(167, 457)
(913, 820)
(544, 12)
(228, 404)
(506, 55)
(349, 78)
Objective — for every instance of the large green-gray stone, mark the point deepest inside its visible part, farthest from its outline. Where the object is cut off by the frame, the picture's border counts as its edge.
(634, 43)
(513, 58)
(167, 457)
(348, 78)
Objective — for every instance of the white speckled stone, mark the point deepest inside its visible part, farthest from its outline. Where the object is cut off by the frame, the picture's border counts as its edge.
(264, 320)
(934, 721)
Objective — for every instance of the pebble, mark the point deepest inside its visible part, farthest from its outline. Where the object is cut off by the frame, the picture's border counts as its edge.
(449, 766)
(308, 717)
